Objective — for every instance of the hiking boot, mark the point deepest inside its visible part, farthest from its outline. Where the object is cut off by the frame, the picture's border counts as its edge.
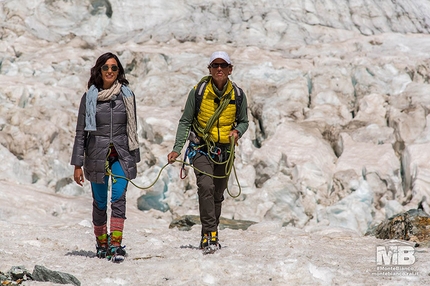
(213, 239)
(212, 243)
(204, 242)
(101, 252)
(116, 253)
(102, 245)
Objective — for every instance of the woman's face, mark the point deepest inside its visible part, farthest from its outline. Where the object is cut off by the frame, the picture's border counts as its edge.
(109, 73)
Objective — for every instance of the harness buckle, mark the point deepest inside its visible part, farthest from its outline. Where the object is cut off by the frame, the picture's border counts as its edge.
(215, 150)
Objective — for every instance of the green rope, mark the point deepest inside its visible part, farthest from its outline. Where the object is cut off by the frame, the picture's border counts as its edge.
(225, 101)
(229, 163)
(229, 166)
(109, 173)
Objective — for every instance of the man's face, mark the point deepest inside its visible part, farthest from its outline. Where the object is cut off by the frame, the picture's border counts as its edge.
(220, 70)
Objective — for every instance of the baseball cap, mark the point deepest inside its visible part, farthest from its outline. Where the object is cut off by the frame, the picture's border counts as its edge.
(220, 55)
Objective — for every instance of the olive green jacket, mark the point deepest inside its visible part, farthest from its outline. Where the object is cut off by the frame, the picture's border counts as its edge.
(186, 120)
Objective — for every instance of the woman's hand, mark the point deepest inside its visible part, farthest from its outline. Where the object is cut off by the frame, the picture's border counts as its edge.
(78, 175)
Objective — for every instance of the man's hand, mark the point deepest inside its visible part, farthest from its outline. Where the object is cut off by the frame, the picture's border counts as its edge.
(171, 157)
(78, 175)
(235, 135)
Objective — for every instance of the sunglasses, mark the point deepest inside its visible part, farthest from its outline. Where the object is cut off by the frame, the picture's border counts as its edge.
(114, 68)
(222, 65)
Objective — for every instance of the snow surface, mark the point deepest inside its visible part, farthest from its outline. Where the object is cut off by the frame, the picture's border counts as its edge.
(41, 228)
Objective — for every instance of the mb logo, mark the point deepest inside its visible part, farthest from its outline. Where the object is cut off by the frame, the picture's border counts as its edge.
(395, 255)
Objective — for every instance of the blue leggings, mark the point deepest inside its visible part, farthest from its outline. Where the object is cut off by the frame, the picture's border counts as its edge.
(100, 195)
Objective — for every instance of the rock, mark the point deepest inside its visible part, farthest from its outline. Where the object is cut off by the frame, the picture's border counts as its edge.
(413, 225)
(18, 272)
(41, 273)
(16, 275)
(3, 277)
(185, 222)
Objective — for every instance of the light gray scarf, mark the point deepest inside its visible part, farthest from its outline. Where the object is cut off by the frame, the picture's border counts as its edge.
(93, 95)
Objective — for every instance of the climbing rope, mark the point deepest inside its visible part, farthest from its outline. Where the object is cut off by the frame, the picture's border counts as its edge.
(206, 137)
(229, 166)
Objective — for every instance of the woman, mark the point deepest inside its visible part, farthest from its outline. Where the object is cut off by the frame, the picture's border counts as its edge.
(106, 143)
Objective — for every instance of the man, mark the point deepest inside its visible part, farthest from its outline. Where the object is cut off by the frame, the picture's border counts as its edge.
(214, 118)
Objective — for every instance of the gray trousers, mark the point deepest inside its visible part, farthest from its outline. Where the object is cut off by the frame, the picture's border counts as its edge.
(118, 208)
(210, 191)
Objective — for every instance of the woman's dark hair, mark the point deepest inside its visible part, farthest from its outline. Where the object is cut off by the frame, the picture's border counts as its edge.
(96, 73)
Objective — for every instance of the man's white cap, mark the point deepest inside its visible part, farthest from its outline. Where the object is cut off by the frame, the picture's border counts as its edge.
(220, 55)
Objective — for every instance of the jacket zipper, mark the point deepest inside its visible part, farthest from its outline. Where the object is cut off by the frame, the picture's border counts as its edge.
(219, 133)
(111, 122)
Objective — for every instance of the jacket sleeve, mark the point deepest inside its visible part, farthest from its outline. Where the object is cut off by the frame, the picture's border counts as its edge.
(185, 122)
(137, 151)
(242, 122)
(81, 134)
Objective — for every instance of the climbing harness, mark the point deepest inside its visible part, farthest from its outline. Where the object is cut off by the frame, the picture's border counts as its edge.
(214, 152)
